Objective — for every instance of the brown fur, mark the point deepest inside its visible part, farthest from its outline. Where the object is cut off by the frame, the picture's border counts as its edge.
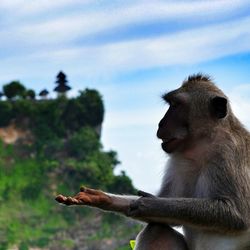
(206, 187)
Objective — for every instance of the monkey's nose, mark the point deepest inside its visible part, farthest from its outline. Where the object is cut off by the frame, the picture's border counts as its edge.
(160, 124)
(159, 133)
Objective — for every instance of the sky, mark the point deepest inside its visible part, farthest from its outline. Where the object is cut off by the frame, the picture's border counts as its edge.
(132, 51)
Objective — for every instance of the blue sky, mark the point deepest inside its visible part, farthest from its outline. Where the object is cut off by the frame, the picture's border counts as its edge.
(132, 51)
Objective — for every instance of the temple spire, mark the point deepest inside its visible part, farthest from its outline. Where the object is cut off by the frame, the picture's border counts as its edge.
(61, 81)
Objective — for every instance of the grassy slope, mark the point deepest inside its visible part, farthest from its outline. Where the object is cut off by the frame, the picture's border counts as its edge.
(30, 177)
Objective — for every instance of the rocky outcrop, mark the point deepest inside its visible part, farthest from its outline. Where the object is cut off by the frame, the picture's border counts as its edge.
(12, 134)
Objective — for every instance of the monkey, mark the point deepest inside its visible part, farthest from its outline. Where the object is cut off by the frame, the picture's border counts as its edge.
(206, 185)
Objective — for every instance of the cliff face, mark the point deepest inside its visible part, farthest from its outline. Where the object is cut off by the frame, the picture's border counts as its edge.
(11, 134)
(49, 147)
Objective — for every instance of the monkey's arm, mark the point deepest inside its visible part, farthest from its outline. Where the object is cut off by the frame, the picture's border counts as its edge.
(99, 199)
(216, 214)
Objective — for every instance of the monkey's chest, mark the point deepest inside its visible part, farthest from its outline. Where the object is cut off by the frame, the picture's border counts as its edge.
(184, 186)
(184, 190)
(185, 180)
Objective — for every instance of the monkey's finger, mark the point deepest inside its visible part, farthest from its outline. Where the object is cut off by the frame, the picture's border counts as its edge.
(60, 198)
(66, 200)
(71, 201)
(145, 194)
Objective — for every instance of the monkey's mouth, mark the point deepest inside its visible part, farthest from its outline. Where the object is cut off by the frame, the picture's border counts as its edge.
(169, 141)
(170, 145)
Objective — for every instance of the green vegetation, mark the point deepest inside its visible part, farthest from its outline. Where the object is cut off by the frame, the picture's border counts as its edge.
(62, 152)
(14, 89)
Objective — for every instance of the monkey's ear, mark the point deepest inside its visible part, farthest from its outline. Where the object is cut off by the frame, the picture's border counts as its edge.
(219, 107)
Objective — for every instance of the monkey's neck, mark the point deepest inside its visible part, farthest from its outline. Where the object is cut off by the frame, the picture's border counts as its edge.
(198, 151)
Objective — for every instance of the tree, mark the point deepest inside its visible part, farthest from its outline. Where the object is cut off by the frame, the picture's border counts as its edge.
(122, 184)
(14, 89)
(30, 93)
(83, 143)
(91, 101)
(6, 114)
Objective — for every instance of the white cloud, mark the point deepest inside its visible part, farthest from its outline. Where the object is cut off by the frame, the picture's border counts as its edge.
(33, 7)
(51, 42)
(132, 118)
(140, 153)
(129, 11)
(240, 101)
(48, 43)
(186, 47)
(79, 23)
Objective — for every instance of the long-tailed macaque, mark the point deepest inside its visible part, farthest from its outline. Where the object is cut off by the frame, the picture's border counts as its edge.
(206, 187)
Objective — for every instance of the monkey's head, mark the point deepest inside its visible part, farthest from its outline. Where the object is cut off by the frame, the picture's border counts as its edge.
(196, 110)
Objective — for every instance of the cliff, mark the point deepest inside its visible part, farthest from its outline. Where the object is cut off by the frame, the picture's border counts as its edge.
(11, 134)
(49, 147)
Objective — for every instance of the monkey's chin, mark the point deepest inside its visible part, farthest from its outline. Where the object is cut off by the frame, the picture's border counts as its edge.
(171, 145)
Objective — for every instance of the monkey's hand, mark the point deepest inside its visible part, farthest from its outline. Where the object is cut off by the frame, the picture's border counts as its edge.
(87, 196)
